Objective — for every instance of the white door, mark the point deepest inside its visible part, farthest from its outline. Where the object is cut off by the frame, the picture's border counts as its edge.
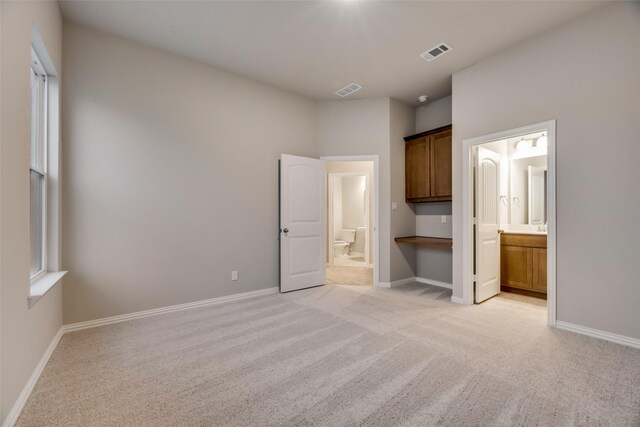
(487, 224)
(302, 222)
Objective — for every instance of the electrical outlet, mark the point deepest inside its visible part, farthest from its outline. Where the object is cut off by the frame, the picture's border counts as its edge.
(443, 219)
(234, 275)
(394, 206)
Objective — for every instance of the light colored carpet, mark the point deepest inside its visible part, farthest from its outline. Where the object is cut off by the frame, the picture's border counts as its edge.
(339, 356)
(362, 276)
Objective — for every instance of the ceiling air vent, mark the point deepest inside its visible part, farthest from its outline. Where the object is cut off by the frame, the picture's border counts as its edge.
(349, 89)
(436, 51)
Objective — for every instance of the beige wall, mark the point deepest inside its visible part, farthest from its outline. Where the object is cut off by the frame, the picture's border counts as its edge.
(353, 201)
(26, 333)
(584, 74)
(172, 172)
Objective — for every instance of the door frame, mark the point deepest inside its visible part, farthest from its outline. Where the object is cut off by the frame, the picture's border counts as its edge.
(467, 209)
(330, 219)
(376, 205)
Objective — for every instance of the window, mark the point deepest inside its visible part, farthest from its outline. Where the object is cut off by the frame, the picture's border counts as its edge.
(38, 168)
(44, 172)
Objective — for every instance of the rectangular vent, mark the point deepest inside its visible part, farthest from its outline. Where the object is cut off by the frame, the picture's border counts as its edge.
(436, 51)
(349, 89)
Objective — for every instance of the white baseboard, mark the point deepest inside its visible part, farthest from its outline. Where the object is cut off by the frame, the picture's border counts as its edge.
(15, 411)
(457, 300)
(434, 282)
(396, 283)
(595, 333)
(154, 312)
(415, 279)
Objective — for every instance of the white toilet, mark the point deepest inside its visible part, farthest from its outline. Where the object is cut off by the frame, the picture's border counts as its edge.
(341, 247)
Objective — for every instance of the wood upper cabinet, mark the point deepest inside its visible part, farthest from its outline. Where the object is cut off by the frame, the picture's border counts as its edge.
(440, 165)
(428, 166)
(416, 174)
(523, 262)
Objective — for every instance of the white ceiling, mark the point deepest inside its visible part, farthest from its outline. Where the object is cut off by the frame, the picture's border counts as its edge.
(316, 47)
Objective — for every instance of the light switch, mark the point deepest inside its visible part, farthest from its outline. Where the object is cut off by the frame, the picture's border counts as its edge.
(443, 219)
(234, 275)
(394, 206)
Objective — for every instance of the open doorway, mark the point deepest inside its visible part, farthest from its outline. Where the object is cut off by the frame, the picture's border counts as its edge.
(351, 231)
(509, 214)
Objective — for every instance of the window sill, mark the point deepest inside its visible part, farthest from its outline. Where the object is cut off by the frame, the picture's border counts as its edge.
(43, 284)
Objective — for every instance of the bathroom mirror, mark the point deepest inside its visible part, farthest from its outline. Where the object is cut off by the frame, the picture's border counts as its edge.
(528, 188)
(537, 193)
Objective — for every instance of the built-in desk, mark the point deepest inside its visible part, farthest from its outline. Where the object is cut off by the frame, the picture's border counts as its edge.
(430, 242)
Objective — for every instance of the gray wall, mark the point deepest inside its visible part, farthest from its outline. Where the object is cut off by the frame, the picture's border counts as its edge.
(26, 333)
(403, 221)
(172, 172)
(360, 127)
(585, 74)
(434, 264)
(367, 127)
(433, 115)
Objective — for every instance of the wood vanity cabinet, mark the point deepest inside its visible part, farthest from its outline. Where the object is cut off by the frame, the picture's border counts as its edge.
(523, 262)
(539, 270)
(428, 166)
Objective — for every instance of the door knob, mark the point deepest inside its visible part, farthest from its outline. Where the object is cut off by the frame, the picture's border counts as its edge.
(285, 231)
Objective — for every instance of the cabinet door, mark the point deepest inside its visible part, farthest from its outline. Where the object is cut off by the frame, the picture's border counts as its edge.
(516, 264)
(441, 164)
(539, 270)
(417, 168)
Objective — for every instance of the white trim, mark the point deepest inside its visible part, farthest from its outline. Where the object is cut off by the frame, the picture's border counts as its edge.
(43, 284)
(595, 333)
(434, 282)
(467, 202)
(330, 254)
(396, 282)
(15, 411)
(458, 300)
(414, 280)
(154, 312)
(376, 205)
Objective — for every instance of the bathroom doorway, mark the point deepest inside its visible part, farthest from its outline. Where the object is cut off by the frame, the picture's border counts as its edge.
(351, 222)
(509, 215)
